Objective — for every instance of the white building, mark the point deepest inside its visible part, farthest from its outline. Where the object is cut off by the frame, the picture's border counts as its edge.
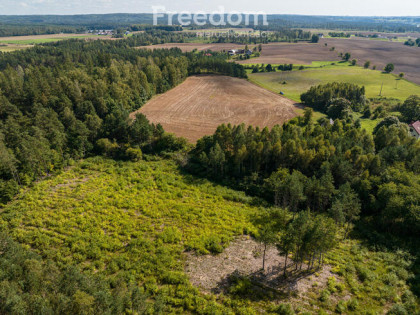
(415, 129)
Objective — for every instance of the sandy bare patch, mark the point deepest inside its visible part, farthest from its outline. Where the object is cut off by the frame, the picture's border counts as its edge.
(244, 256)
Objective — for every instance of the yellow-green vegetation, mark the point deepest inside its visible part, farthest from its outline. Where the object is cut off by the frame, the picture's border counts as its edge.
(9, 48)
(134, 220)
(294, 83)
(316, 114)
(100, 211)
(364, 282)
(371, 281)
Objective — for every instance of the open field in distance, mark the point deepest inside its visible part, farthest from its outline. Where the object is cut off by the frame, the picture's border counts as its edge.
(12, 43)
(299, 81)
(406, 59)
(196, 107)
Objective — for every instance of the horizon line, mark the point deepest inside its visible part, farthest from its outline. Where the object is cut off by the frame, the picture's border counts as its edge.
(284, 14)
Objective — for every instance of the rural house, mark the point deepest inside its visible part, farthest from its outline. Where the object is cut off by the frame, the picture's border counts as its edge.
(415, 129)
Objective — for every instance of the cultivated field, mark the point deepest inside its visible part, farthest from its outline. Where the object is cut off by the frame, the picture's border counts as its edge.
(406, 59)
(196, 107)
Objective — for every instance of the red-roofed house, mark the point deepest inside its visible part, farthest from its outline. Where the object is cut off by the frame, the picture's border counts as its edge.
(415, 129)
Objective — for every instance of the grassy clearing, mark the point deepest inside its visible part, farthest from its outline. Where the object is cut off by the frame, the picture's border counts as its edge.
(40, 39)
(113, 205)
(300, 81)
(9, 48)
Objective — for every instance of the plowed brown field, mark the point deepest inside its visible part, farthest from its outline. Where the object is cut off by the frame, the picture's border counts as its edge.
(197, 106)
(406, 59)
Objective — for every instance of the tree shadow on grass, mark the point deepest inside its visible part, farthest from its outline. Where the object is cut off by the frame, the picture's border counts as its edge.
(261, 286)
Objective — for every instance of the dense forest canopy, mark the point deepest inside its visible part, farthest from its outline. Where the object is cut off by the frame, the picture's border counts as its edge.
(322, 167)
(57, 101)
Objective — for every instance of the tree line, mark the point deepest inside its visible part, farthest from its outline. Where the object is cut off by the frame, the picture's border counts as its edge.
(411, 42)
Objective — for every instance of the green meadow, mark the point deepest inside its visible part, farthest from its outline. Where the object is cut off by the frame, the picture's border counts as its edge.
(299, 81)
(294, 83)
(40, 39)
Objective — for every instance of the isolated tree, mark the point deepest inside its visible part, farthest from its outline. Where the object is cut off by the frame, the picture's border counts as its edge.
(353, 62)
(315, 38)
(389, 68)
(410, 109)
(401, 75)
(346, 56)
(366, 65)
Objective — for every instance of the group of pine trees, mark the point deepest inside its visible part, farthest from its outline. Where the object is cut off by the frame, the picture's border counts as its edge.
(335, 168)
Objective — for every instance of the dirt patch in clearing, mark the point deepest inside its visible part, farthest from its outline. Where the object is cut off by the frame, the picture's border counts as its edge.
(244, 255)
(200, 104)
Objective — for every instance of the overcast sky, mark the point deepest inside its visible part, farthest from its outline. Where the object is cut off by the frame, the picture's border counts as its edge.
(308, 7)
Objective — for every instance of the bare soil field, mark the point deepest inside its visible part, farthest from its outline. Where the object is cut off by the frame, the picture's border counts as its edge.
(244, 256)
(199, 105)
(406, 59)
(296, 53)
(187, 47)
